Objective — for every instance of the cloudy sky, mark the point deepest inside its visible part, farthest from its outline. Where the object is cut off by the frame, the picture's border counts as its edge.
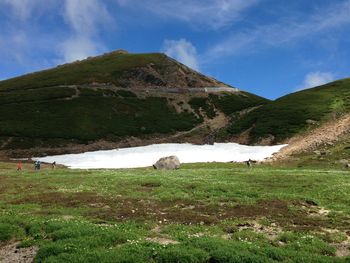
(268, 47)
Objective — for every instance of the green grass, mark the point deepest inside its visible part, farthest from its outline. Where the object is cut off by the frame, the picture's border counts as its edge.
(287, 116)
(210, 213)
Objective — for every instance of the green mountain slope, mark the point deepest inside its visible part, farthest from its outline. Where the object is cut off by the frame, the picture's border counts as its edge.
(118, 68)
(294, 113)
(112, 98)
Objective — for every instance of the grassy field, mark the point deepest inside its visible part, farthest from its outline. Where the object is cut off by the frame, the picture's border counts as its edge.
(200, 213)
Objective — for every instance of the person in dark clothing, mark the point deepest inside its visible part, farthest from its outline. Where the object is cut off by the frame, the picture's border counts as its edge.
(249, 163)
(37, 165)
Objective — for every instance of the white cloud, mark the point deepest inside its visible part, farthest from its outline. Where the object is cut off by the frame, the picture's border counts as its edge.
(315, 79)
(85, 17)
(79, 47)
(21, 8)
(212, 14)
(183, 51)
(28, 44)
(282, 33)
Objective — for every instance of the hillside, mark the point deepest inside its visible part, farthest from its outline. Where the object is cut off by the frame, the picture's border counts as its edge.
(294, 114)
(118, 68)
(114, 100)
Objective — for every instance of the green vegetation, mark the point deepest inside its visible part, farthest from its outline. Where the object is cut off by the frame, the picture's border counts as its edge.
(34, 95)
(228, 103)
(92, 118)
(203, 103)
(200, 213)
(288, 115)
(109, 68)
(113, 68)
(232, 103)
(78, 103)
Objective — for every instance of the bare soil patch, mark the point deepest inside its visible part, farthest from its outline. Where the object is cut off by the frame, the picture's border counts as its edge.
(290, 214)
(326, 134)
(9, 253)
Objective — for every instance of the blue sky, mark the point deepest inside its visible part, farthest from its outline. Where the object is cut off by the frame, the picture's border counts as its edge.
(267, 47)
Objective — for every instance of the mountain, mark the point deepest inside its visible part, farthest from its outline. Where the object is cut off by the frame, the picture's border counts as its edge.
(278, 120)
(114, 100)
(315, 123)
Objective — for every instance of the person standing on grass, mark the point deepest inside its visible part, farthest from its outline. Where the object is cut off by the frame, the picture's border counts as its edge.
(19, 166)
(249, 163)
(37, 165)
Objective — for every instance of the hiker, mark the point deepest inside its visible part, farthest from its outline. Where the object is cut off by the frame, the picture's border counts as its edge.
(37, 165)
(53, 165)
(249, 163)
(19, 167)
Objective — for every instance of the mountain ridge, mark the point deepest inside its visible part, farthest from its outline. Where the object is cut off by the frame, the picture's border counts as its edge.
(114, 100)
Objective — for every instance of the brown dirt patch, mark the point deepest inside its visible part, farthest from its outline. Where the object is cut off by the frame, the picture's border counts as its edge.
(291, 214)
(63, 199)
(327, 133)
(9, 253)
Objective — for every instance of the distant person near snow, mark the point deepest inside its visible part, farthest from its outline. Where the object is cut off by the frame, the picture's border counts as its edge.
(19, 167)
(249, 163)
(37, 165)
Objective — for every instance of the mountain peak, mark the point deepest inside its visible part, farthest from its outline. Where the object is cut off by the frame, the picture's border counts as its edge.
(121, 69)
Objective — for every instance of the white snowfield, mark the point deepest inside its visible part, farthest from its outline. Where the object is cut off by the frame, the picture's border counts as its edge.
(148, 155)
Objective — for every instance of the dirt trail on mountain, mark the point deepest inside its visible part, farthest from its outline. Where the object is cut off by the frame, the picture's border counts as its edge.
(326, 134)
(218, 122)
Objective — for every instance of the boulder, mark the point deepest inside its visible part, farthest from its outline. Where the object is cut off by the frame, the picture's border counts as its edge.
(167, 163)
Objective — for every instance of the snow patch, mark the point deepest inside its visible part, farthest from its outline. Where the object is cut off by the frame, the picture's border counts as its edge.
(147, 155)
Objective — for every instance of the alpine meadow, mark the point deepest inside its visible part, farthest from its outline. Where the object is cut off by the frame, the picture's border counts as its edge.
(160, 131)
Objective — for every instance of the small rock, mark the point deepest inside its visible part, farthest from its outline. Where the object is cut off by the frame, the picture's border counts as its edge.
(312, 122)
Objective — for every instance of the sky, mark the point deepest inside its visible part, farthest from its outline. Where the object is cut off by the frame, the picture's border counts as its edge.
(267, 47)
